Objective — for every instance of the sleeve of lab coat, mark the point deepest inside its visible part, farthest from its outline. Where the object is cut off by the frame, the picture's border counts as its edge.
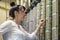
(32, 35)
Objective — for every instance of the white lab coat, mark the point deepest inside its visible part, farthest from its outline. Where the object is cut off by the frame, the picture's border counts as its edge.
(10, 31)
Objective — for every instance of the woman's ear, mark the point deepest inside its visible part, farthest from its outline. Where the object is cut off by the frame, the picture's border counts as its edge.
(15, 13)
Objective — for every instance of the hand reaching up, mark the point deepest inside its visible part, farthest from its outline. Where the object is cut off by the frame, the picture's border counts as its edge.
(41, 22)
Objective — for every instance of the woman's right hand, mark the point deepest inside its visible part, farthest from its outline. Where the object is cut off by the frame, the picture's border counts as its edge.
(41, 22)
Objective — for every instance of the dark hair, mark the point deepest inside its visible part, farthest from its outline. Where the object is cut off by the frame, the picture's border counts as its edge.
(15, 8)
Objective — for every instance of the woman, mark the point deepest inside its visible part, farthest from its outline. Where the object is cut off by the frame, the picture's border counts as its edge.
(11, 30)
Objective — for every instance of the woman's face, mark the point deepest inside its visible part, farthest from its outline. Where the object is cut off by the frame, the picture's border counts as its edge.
(21, 14)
